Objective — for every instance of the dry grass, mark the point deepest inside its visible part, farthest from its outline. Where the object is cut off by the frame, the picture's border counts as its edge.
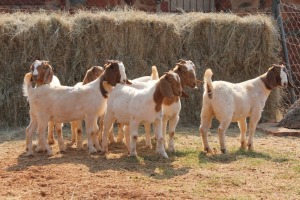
(235, 48)
(272, 171)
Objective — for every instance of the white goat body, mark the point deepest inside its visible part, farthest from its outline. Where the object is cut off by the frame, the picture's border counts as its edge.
(65, 104)
(234, 102)
(131, 106)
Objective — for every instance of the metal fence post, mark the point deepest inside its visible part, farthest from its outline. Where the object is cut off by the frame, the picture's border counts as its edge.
(277, 16)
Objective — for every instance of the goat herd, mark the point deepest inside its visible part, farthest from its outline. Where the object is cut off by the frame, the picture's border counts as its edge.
(107, 96)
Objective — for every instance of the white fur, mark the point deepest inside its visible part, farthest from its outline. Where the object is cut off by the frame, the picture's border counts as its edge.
(131, 106)
(36, 64)
(57, 103)
(233, 102)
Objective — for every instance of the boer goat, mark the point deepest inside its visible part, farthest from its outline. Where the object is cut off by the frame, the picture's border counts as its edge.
(65, 104)
(229, 102)
(42, 73)
(131, 106)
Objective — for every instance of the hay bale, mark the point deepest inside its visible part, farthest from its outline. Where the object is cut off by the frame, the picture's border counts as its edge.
(235, 48)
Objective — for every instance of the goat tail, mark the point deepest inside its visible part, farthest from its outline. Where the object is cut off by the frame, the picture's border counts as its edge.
(208, 82)
(27, 85)
(154, 75)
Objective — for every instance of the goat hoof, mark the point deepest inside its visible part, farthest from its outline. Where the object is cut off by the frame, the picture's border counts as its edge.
(224, 151)
(250, 147)
(164, 154)
(171, 149)
(51, 141)
(49, 153)
(208, 150)
(93, 150)
(133, 154)
(29, 153)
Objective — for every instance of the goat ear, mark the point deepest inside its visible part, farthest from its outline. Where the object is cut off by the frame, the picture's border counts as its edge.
(89, 76)
(48, 75)
(165, 87)
(110, 75)
(271, 77)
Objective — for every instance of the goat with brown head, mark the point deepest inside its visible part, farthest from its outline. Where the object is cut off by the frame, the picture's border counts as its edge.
(42, 72)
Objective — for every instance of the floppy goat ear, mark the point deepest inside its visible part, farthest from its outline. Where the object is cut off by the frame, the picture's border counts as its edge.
(48, 74)
(165, 87)
(89, 77)
(271, 77)
(110, 75)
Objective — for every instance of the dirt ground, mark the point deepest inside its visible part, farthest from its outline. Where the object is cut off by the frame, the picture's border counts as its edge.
(272, 171)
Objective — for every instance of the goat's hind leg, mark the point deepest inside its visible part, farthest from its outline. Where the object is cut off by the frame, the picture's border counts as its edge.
(60, 139)
(42, 142)
(221, 132)
(51, 139)
(148, 135)
(31, 128)
(206, 118)
(243, 129)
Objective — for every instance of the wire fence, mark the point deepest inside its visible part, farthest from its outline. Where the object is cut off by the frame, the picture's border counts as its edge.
(290, 14)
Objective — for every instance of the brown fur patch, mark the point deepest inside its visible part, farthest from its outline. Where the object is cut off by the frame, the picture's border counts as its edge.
(45, 74)
(111, 74)
(167, 87)
(92, 74)
(209, 91)
(272, 79)
(172, 133)
(169, 101)
(135, 137)
(102, 90)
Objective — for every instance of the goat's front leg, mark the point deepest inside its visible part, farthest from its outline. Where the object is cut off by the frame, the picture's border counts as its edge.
(243, 129)
(160, 147)
(29, 131)
(148, 135)
(127, 137)
(107, 126)
(74, 131)
(79, 135)
(172, 126)
(120, 132)
(134, 126)
(61, 144)
(252, 127)
(95, 135)
(89, 123)
(51, 139)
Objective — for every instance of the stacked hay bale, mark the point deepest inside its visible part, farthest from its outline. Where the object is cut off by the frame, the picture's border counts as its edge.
(235, 48)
